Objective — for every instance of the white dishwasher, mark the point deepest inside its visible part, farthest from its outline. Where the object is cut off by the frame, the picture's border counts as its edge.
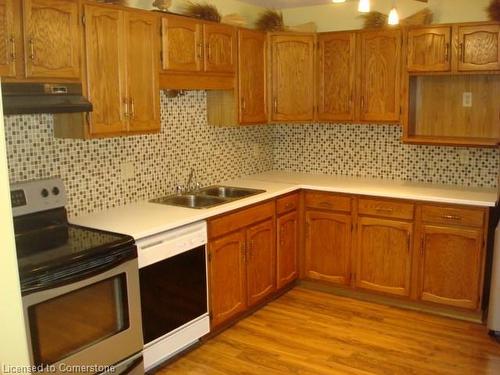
(494, 307)
(174, 291)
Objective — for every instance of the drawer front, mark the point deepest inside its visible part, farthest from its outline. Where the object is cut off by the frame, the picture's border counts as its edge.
(453, 215)
(287, 203)
(383, 208)
(233, 221)
(328, 201)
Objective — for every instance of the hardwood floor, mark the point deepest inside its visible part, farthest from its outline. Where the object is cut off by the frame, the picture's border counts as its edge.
(313, 333)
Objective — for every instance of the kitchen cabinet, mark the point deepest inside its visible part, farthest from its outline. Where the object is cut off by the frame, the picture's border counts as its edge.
(247, 103)
(336, 73)
(51, 38)
(197, 54)
(287, 248)
(242, 252)
(122, 72)
(478, 48)
(429, 49)
(8, 48)
(328, 235)
(380, 75)
(292, 77)
(182, 45)
(384, 253)
(227, 277)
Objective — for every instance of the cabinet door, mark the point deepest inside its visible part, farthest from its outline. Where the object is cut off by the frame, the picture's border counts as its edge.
(220, 48)
(106, 68)
(287, 251)
(328, 246)
(292, 78)
(182, 47)
(336, 76)
(143, 72)
(479, 47)
(261, 258)
(380, 75)
(51, 38)
(8, 53)
(384, 255)
(429, 49)
(451, 265)
(227, 277)
(252, 76)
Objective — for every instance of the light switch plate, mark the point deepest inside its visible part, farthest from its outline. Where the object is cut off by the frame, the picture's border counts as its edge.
(127, 170)
(467, 99)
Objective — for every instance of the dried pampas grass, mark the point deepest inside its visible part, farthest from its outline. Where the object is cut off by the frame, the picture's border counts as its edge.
(270, 20)
(494, 10)
(203, 11)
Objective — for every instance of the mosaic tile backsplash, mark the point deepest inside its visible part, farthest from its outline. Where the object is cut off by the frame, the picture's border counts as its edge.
(91, 170)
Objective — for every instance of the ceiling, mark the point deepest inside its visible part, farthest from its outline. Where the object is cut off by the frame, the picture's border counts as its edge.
(279, 4)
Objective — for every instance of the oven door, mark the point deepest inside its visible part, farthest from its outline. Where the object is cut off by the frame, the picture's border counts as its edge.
(95, 321)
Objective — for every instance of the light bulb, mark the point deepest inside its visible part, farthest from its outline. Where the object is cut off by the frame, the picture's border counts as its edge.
(393, 17)
(338, 1)
(364, 6)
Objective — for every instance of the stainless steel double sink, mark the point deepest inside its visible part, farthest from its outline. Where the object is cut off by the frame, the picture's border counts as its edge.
(207, 197)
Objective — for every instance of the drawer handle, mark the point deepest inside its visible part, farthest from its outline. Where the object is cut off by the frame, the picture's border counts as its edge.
(12, 41)
(325, 204)
(288, 206)
(452, 217)
(31, 43)
(385, 210)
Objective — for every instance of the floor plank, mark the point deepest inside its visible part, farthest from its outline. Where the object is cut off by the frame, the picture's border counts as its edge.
(309, 332)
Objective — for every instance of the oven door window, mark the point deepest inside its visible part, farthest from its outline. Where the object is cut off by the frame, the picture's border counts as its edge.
(71, 322)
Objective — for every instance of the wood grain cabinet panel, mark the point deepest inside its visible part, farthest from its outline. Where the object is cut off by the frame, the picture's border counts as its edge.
(384, 255)
(380, 66)
(143, 73)
(328, 246)
(292, 78)
(261, 261)
(8, 47)
(252, 77)
(429, 49)
(106, 69)
(227, 277)
(51, 38)
(220, 48)
(336, 55)
(287, 248)
(451, 266)
(479, 48)
(182, 45)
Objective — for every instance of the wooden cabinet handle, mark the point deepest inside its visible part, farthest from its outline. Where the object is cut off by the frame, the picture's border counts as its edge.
(126, 113)
(461, 51)
(132, 108)
(447, 52)
(275, 104)
(243, 104)
(325, 204)
(243, 252)
(200, 50)
(12, 41)
(452, 217)
(31, 43)
(385, 210)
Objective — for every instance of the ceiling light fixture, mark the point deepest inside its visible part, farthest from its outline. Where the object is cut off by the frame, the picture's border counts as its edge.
(364, 6)
(338, 1)
(393, 15)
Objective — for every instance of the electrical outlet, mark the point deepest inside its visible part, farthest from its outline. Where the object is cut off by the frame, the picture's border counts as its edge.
(467, 99)
(464, 156)
(127, 170)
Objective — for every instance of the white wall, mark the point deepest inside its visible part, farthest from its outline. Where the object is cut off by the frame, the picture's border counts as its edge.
(345, 16)
(13, 345)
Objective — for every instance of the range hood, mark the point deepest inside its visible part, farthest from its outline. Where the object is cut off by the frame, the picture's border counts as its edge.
(27, 98)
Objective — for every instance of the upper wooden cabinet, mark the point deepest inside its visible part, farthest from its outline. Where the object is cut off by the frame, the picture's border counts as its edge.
(8, 48)
(380, 75)
(182, 45)
(429, 49)
(336, 76)
(478, 48)
(51, 38)
(292, 77)
(252, 63)
(220, 48)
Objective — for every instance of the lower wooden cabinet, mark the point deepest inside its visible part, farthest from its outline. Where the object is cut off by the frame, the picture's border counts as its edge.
(383, 258)
(451, 265)
(227, 277)
(261, 260)
(287, 248)
(328, 246)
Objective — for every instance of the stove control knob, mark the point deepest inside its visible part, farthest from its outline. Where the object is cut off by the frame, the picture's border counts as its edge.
(55, 190)
(45, 193)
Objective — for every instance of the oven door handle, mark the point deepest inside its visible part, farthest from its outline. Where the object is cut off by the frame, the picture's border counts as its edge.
(74, 274)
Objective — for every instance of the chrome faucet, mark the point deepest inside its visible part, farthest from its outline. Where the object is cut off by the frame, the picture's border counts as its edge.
(192, 184)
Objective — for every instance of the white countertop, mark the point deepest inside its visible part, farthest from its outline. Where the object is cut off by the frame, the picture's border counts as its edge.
(143, 219)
